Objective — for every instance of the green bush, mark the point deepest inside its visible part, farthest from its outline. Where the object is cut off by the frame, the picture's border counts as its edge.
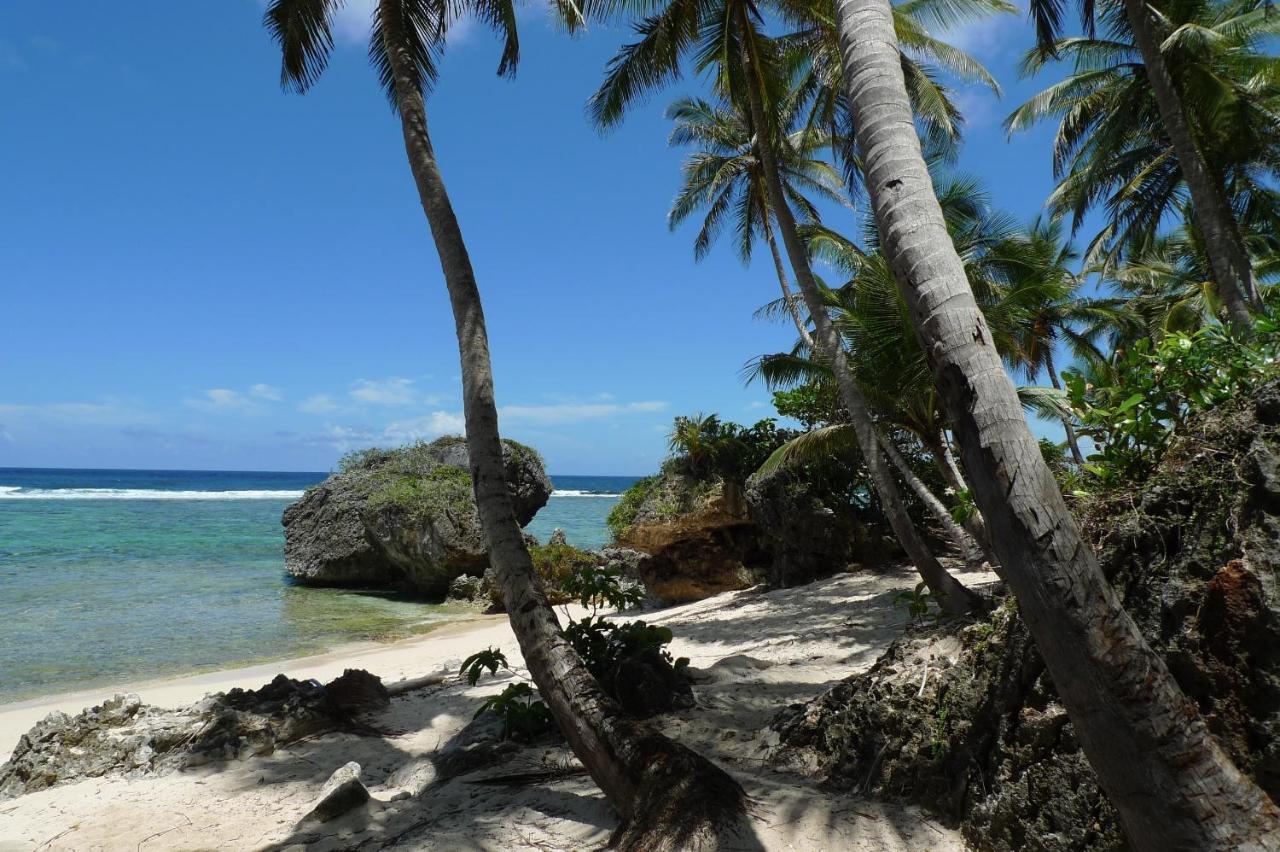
(624, 512)
(1155, 387)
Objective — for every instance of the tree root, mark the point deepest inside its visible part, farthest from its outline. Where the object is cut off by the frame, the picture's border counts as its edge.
(685, 802)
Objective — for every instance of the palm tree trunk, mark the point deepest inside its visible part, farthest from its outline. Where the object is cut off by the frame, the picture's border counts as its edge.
(970, 549)
(787, 296)
(1222, 239)
(667, 795)
(940, 448)
(1172, 784)
(950, 593)
(1072, 441)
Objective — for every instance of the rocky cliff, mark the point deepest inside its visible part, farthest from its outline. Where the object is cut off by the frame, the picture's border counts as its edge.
(964, 719)
(402, 518)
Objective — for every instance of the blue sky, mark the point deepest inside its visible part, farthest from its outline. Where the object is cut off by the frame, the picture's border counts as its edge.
(200, 271)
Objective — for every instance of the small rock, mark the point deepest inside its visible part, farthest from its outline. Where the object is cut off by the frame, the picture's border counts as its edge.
(341, 793)
(557, 539)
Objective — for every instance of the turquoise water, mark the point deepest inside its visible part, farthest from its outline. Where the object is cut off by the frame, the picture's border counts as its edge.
(123, 575)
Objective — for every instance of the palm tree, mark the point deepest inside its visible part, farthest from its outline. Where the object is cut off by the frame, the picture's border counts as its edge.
(1172, 784)
(724, 178)
(666, 795)
(1047, 308)
(1196, 88)
(752, 70)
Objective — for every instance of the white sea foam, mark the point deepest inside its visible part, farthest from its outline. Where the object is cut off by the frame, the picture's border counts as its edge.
(11, 492)
(569, 492)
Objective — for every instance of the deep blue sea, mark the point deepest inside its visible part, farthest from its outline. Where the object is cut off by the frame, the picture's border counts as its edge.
(115, 575)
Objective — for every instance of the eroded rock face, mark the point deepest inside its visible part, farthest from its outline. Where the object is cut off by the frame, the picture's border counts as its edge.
(403, 518)
(699, 537)
(970, 725)
(805, 539)
(123, 736)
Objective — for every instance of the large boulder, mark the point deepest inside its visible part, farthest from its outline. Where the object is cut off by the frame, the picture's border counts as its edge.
(966, 721)
(698, 534)
(806, 539)
(403, 518)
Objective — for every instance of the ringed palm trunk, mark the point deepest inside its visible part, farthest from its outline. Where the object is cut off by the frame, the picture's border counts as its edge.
(787, 296)
(1222, 239)
(950, 593)
(946, 464)
(1072, 441)
(1174, 787)
(971, 549)
(667, 796)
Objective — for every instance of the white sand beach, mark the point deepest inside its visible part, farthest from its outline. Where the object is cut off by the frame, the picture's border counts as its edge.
(766, 649)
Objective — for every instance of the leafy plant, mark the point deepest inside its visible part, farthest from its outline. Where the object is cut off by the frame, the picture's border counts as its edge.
(593, 586)
(916, 601)
(524, 716)
(490, 658)
(1156, 387)
(964, 507)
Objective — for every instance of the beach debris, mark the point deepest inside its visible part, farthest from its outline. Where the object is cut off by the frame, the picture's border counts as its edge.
(124, 736)
(340, 794)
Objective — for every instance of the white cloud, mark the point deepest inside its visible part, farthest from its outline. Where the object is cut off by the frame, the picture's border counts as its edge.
(544, 415)
(221, 399)
(321, 403)
(5, 435)
(394, 391)
(432, 425)
(267, 392)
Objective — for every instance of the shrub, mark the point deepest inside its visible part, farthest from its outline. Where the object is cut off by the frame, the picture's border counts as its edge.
(624, 512)
(1155, 387)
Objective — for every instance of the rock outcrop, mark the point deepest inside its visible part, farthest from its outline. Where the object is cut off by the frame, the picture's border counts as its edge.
(969, 724)
(805, 538)
(123, 736)
(698, 534)
(402, 518)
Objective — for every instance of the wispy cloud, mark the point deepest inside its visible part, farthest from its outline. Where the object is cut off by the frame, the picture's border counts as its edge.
(220, 399)
(320, 403)
(545, 415)
(87, 413)
(267, 392)
(393, 391)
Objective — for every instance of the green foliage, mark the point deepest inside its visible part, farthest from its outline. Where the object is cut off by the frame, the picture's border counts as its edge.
(704, 447)
(963, 508)
(1155, 387)
(601, 643)
(624, 512)
(490, 658)
(524, 716)
(423, 496)
(592, 586)
(557, 565)
(814, 404)
(915, 600)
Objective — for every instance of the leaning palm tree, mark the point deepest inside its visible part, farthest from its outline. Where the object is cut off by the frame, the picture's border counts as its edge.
(667, 796)
(1188, 75)
(723, 179)
(1172, 784)
(752, 70)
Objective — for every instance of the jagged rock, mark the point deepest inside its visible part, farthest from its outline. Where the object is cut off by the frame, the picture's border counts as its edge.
(806, 539)
(469, 591)
(341, 793)
(123, 736)
(699, 536)
(357, 691)
(558, 538)
(403, 518)
(970, 724)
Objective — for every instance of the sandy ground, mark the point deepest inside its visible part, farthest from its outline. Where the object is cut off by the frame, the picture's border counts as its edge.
(764, 650)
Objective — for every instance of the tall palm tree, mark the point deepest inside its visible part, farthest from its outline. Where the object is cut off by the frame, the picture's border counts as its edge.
(1189, 55)
(666, 795)
(723, 178)
(1171, 783)
(752, 70)
(1047, 308)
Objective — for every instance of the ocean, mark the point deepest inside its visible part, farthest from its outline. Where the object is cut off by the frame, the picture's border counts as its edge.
(123, 575)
